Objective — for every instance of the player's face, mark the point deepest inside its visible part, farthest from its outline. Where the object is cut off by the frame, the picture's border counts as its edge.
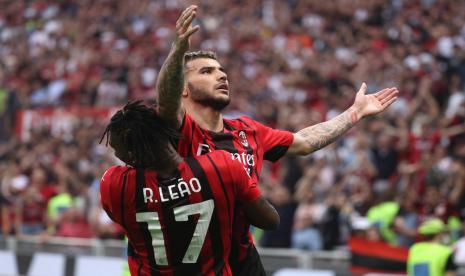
(206, 83)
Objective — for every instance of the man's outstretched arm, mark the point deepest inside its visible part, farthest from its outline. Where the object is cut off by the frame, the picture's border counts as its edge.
(170, 82)
(318, 136)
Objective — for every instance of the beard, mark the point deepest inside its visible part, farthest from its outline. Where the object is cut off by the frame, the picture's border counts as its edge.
(204, 98)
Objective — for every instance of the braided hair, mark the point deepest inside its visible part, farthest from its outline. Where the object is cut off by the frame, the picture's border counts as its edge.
(140, 133)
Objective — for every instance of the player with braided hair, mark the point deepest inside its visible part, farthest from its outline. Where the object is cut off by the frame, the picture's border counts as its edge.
(177, 213)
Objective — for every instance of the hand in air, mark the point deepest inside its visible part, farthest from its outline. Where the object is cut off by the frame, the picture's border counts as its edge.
(184, 28)
(372, 104)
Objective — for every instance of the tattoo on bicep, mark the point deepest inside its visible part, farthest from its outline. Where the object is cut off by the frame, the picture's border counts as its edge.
(323, 134)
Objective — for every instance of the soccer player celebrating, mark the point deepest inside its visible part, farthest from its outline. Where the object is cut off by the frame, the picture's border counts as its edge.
(200, 82)
(177, 213)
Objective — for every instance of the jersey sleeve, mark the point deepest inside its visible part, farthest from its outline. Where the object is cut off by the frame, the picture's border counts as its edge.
(245, 188)
(109, 183)
(275, 142)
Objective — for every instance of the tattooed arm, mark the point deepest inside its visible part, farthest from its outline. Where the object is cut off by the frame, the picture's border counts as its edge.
(169, 86)
(170, 81)
(318, 136)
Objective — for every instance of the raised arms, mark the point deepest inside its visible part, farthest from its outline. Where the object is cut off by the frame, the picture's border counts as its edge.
(170, 81)
(320, 135)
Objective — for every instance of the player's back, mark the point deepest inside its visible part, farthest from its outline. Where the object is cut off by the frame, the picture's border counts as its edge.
(181, 225)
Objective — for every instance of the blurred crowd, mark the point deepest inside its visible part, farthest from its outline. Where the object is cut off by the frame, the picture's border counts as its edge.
(290, 64)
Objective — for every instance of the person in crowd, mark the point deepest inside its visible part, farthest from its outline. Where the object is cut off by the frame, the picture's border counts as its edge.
(430, 257)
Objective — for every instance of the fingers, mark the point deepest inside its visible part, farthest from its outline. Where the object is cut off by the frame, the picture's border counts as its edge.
(392, 93)
(182, 16)
(192, 30)
(381, 94)
(386, 92)
(186, 18)
(184, 28)
(188, 21)
(388, 98)
(388, 103)
(186, 12)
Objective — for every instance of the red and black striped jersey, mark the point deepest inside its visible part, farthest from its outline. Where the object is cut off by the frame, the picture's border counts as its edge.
(246, 140)
(181, 225)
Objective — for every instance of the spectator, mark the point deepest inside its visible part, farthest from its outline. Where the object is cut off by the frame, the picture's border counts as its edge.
(431, 255)
(29, 215)
(59, 205)
(308, 216)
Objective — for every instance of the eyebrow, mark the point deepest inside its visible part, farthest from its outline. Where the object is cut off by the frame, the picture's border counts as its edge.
(211, 68)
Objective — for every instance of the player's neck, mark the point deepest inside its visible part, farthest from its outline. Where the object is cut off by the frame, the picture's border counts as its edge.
(206, 117)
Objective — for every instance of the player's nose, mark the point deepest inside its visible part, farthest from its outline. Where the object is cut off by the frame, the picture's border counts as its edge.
(222, 76)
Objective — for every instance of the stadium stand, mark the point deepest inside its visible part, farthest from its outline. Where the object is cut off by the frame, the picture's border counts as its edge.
(66, 65)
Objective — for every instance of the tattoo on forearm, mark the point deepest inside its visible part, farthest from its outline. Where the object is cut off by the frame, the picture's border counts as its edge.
(323, 134)
(170, 85)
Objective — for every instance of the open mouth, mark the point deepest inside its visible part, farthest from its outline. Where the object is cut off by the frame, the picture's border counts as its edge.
(223, 87)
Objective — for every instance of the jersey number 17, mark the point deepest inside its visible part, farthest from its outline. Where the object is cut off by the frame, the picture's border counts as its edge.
(182, 213)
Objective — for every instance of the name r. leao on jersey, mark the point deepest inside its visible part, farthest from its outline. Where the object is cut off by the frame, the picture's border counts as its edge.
(181, 189)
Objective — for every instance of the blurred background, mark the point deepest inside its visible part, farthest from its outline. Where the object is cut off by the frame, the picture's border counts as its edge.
(67, 65)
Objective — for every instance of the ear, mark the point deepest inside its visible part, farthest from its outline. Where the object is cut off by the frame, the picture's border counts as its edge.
(185, 91)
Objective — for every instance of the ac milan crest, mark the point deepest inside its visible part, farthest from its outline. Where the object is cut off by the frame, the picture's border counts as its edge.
(243, 138)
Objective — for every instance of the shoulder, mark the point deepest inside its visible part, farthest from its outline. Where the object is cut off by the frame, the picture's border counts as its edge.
(115, 170)
(113, 174)
(246, 120)
(111, 184)
(241, 122)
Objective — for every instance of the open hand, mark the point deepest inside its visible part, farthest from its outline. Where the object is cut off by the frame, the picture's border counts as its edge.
(372, 104)
(184, 28)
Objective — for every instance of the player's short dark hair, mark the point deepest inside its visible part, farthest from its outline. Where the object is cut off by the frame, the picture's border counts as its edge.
(199, 54)
(140, 131)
